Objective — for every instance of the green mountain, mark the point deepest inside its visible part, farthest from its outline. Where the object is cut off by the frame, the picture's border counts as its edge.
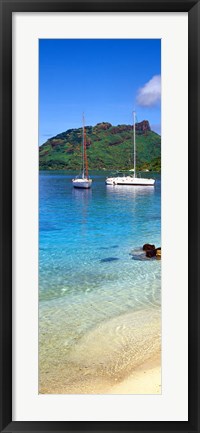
(108, 147)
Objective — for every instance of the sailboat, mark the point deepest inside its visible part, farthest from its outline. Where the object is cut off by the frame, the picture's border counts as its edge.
(133, 179)
(83, 180)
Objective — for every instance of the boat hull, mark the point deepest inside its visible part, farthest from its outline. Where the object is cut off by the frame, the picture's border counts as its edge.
(129, 181)
(82, 183)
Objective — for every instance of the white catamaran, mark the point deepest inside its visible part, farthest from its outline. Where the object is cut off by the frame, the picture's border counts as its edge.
(131, 180)
(83, 180)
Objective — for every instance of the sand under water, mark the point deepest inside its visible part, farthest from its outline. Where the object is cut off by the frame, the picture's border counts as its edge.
(121, 355)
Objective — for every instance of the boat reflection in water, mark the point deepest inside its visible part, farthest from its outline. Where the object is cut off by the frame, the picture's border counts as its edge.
(82, 198)
(131, 191)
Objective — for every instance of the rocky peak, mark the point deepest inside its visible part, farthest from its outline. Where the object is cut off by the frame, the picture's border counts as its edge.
(143, 126)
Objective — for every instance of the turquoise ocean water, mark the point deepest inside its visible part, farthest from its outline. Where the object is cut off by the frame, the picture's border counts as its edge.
(87, 274)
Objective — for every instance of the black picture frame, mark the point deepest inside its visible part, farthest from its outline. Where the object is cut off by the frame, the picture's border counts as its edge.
(7, 7)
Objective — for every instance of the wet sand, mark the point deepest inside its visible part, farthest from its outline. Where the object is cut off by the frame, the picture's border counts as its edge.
(119, 356)
(145, 379)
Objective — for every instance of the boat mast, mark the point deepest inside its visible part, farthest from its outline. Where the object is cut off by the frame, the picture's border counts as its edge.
(134, 144)
(85, 163)
(83, 148)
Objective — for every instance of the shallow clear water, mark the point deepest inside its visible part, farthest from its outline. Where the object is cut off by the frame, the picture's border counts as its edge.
(87, 274)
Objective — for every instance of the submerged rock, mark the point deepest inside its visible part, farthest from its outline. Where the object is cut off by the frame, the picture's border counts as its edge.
(140, 257)
(109, 259)
(138, 254)
(108, 248)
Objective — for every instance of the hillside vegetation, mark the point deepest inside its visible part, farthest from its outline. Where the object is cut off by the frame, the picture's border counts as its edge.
(108, 147)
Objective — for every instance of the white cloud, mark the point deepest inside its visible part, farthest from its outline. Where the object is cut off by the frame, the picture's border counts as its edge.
(150, 93)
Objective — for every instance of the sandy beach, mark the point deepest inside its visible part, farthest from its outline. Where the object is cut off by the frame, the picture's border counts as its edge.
(145, 379)
(119, 356)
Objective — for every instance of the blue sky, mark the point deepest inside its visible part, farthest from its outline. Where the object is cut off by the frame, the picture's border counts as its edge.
(104, 78)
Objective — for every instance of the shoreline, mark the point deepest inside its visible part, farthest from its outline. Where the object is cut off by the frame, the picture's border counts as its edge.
(120, 356)
(145, 379)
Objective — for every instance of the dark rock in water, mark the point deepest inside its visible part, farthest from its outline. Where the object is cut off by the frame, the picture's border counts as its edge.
(148, 247)
(158, 253)
(148, 251)
(109, 259)
(151, 253)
